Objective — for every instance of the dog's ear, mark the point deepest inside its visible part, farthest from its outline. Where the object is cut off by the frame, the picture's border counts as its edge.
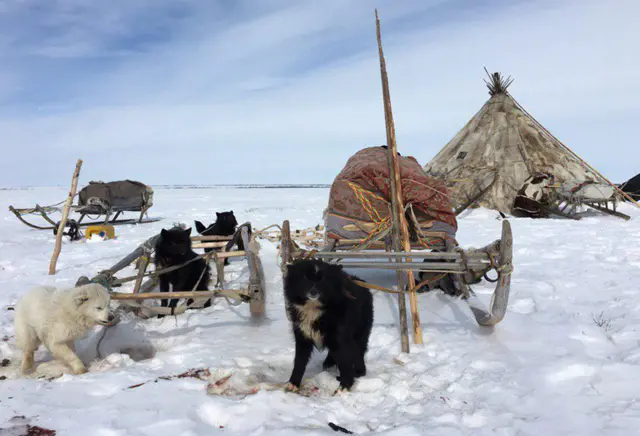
(188, 231)
(217, 214)
(163, 232)
(231, 212)
(199, 227)
(81, 297)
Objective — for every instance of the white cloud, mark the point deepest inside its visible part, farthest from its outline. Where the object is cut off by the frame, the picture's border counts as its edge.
(194, 99)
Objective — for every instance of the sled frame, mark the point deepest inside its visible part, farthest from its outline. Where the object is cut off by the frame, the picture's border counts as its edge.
(464, 266)
(253, 293)
(84, 211)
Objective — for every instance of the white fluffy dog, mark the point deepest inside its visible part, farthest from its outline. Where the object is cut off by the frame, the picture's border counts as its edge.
(56, 318)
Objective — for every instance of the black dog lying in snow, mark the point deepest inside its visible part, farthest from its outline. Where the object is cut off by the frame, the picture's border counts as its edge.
(225, 225)
(174, 248)
(328, 310)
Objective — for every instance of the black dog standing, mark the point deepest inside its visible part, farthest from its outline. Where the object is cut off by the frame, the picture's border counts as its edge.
(225, 225)
(174, 248)
(328, 310)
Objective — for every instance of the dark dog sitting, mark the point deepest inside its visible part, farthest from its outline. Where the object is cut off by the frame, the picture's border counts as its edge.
(328, 310)
(174, 248)
(225, 225)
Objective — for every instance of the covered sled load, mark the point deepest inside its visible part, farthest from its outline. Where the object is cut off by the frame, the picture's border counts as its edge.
(360, 198)
(632, 187)
(124, 195)
(95, 200)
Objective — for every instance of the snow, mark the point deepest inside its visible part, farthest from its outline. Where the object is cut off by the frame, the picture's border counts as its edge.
(565, 360)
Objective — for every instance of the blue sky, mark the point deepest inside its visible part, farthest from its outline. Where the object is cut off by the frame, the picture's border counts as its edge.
(284, 91)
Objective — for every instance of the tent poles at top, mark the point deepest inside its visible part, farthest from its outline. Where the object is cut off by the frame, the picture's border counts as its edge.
(573, 153)
(400, 231)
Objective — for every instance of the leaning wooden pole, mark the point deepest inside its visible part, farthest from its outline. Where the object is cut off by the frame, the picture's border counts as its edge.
(400, 230)
(65, 215)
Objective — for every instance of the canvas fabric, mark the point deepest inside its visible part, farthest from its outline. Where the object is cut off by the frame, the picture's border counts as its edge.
(119, 195)
(502, 139)
(361, 196)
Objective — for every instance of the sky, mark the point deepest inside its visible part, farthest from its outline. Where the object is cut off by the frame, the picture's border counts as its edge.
(284, 91)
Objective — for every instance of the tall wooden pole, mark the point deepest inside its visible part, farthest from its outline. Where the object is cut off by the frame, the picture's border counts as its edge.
(65, 215)
(400, 230)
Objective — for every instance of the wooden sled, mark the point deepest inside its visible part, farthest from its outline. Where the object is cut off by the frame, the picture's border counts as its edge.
(253, 293)
(44, 212)
(569, 207)
(462, 266)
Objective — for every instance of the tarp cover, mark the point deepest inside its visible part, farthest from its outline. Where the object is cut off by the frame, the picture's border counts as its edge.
(632, 187)
(365, 180)
(121, 195)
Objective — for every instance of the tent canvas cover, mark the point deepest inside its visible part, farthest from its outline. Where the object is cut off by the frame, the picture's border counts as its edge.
(503, 142)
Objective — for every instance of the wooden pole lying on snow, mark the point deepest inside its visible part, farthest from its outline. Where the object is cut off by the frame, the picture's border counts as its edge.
(65, 215)
(400, 231)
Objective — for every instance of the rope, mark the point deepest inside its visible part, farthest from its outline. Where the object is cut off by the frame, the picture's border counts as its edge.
(393, 291)
(102, 280)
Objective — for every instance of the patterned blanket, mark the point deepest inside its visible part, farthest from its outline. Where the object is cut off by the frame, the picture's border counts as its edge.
(361, 196)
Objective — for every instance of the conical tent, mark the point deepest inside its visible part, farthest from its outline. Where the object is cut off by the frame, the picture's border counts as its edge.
(503, 142)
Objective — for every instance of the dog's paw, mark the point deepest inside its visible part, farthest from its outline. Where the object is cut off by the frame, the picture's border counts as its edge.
(290, 387)
(27, 371)
(79, 370)
(342, 390)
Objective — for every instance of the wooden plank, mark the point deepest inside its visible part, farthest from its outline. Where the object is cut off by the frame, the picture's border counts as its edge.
(212, 238)
(65, 215)
(412, 266)
(239, 293)
(219, 244)
(476, 255)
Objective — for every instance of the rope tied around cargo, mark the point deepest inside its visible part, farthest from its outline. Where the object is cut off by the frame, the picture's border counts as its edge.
(362, 196)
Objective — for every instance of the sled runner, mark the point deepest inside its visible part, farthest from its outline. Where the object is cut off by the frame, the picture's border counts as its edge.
(98, 199)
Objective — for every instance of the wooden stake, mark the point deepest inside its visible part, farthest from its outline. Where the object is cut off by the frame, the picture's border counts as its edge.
(400, 231)
(65, 215)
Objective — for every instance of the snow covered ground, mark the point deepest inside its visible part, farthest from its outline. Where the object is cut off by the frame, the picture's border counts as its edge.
(565, 360)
